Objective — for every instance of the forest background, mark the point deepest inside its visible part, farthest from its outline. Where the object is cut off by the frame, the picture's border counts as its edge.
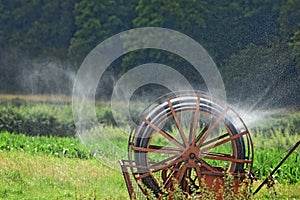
(255, 44)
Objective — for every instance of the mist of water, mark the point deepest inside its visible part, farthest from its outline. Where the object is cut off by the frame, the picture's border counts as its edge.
(49, 78)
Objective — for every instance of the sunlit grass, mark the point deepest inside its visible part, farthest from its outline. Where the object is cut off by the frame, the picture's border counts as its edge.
(27, 176)
(278, 191)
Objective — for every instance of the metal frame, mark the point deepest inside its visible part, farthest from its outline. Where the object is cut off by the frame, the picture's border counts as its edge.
(188, 153)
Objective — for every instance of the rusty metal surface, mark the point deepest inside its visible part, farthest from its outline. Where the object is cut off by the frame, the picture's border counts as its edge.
(192, 156)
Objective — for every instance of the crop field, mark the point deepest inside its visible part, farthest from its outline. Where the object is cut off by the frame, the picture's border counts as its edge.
(41, 157)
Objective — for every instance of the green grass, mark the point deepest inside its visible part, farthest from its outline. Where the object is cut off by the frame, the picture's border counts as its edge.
(279, 191)
(33, 166)
(36, 176)
(42, 171)
(53, 145)
(27, 176)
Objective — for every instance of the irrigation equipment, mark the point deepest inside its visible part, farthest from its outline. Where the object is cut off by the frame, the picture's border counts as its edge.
(188, 139)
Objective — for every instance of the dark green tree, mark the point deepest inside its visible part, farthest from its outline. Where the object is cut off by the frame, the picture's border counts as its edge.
(233, 25)
(290, 26)
(38, 27)
(96, 21)
(261, 76)
(183, 16)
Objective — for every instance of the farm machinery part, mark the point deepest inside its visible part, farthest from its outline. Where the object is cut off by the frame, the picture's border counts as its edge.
(189, 139)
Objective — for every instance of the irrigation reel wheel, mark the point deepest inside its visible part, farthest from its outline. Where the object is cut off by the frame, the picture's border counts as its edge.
(187, 137)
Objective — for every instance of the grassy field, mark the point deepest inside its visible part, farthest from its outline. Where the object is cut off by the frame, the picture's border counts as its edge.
(27, 176)
(35, 172)
(44, 163)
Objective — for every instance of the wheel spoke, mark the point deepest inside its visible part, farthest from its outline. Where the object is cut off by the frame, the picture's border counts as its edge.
(165, 134)
(223, 141)
(168, 165)
(182, 173)
(218, 154)
(156, 169)
(191, 129)
(164, 148)
(214, 124)
(186, 181)
(174, 169)
(179, 127)
(206, 165)
(198, 172)
(195, 122)
(223, 158)
(154, 150)
(215, 139)
(201, 134)
(163, 161)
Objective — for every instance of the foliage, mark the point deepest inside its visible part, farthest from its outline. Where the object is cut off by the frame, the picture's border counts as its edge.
(290, 26)
(50, 146)
(279, 124)
(232, 26)
(56, 119)
(265, 72)
(97, 20)
(38, 26)
(272, 139)
(66, 31)
(37, 120)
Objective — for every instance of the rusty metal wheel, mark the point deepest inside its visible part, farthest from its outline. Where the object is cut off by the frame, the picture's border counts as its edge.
(185, 137)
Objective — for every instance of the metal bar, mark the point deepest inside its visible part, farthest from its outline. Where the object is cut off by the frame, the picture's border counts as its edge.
(182, 173)
(127, 180)
(224, 141)
(195, 123)
(185, 142)
(277, 167)
(164, 148)
(206, 165)
(159, 168)
(165, 134)
(211, 128)
(227, 159)
(163, 161)
(164, 151)
(201, 134)
(215, 139)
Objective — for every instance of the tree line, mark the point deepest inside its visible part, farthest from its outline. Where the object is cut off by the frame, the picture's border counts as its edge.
(255, 43)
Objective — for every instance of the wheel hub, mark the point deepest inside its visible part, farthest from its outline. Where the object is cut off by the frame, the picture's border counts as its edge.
(191, 156)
